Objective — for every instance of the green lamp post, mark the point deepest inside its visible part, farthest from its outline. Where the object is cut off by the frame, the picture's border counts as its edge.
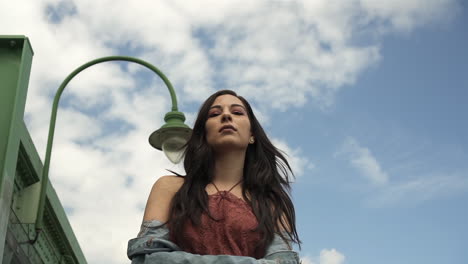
(170, 138)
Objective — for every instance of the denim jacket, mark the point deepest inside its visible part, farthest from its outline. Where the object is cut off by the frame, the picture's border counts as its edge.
(152, 245)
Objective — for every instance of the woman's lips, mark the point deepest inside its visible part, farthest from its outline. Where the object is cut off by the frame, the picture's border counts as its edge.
(227, 127)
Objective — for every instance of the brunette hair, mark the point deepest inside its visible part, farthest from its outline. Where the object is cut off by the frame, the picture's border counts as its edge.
(265, 185)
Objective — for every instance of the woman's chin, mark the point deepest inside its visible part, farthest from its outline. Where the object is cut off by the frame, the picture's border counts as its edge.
(228, 145)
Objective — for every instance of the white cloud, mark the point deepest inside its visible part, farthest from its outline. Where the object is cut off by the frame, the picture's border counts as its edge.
(307, 260)
(363, 160)
(407, 188)
(331, 256)
(327, 256)
(404, 15)
(420, 189)
(298, 162)
(281, 54)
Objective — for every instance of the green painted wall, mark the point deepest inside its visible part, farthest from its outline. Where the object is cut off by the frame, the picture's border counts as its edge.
(15, 64)
(21, 173)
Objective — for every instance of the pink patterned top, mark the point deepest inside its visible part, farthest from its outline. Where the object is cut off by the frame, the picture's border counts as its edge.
(232, 234)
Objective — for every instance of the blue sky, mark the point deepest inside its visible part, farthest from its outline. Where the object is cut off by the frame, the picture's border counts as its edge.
(368, 98)
(410, 111)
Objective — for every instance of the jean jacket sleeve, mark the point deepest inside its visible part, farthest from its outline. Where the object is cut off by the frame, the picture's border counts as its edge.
(152, 245)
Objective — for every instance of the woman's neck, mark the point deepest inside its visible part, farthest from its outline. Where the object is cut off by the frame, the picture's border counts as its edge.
(229, 168)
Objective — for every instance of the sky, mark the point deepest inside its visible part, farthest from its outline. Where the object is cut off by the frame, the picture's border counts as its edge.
(366, 97)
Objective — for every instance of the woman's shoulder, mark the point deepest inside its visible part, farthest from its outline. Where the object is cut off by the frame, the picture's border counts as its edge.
(168, 183)
(159, 200)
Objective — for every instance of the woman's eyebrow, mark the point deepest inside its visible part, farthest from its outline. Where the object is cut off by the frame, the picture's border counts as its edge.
(216, 106)
(237, 105)
(233, 105)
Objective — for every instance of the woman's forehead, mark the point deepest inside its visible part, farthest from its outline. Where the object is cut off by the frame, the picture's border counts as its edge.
(227, 99)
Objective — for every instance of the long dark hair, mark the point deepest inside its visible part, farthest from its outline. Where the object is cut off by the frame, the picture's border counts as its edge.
(265, 185)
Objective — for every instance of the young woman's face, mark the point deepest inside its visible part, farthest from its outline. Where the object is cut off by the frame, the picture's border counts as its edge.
(227, 110)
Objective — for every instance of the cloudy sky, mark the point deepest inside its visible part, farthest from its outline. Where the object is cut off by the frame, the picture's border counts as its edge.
(367, 97)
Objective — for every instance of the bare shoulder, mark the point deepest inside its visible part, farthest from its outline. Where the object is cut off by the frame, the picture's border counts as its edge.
(160, 197)
(168, 183)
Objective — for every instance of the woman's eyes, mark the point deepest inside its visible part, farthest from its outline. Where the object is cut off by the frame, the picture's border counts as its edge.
(217, 113)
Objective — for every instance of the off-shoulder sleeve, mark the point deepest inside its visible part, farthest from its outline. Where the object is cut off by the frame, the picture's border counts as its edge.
(152, 245)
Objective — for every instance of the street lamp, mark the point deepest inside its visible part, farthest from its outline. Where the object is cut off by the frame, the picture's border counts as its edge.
(170, 138)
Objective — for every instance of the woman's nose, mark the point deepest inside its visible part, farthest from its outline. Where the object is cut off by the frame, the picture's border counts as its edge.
(226, 116)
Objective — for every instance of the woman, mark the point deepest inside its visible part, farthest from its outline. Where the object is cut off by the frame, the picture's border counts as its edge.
(232, 206)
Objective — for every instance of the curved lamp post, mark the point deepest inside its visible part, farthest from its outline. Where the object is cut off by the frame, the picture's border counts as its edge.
(171, 137)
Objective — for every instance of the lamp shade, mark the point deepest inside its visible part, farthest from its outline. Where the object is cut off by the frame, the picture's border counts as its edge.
(172, 136)
(173, 147)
